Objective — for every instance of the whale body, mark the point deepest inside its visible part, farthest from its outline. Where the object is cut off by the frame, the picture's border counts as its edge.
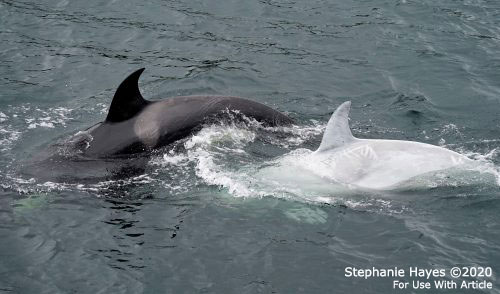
(370, 164)
(119, 146)
(134, 124)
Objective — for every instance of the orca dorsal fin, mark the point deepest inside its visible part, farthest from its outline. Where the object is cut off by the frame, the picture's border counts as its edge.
(337, 131)
(127, 100)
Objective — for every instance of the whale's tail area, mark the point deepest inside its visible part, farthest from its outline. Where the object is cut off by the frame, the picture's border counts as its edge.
(337, 131)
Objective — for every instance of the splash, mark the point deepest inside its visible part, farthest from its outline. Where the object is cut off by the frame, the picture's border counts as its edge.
(224, 156)
(486, 165)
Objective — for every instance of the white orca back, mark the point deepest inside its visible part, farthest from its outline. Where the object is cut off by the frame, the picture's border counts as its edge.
(382, 164)
(366, 163)
(376, 164)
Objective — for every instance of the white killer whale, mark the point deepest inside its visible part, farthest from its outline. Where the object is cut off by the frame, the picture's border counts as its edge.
(371, 164)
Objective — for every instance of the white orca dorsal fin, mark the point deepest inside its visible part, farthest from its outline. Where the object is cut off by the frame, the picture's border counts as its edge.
(337, 131)
(127, 100)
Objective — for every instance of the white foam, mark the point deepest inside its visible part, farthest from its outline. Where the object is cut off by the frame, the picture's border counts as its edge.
(174, 159)
(213, 175)
(220, 134)
(484, 163)
(8, 136)
(42, 124)
(3, 117)
(208, 150)
(50, 118)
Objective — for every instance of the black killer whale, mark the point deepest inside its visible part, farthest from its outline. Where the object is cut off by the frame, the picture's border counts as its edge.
(134, 127)
(134, 124)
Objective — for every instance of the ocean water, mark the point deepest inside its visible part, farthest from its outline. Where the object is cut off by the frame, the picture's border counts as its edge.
(197, 220)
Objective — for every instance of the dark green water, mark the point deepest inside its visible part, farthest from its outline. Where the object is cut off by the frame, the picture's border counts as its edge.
(426, 71)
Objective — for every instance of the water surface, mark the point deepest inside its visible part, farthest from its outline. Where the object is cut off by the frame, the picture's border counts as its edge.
(193, 222)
